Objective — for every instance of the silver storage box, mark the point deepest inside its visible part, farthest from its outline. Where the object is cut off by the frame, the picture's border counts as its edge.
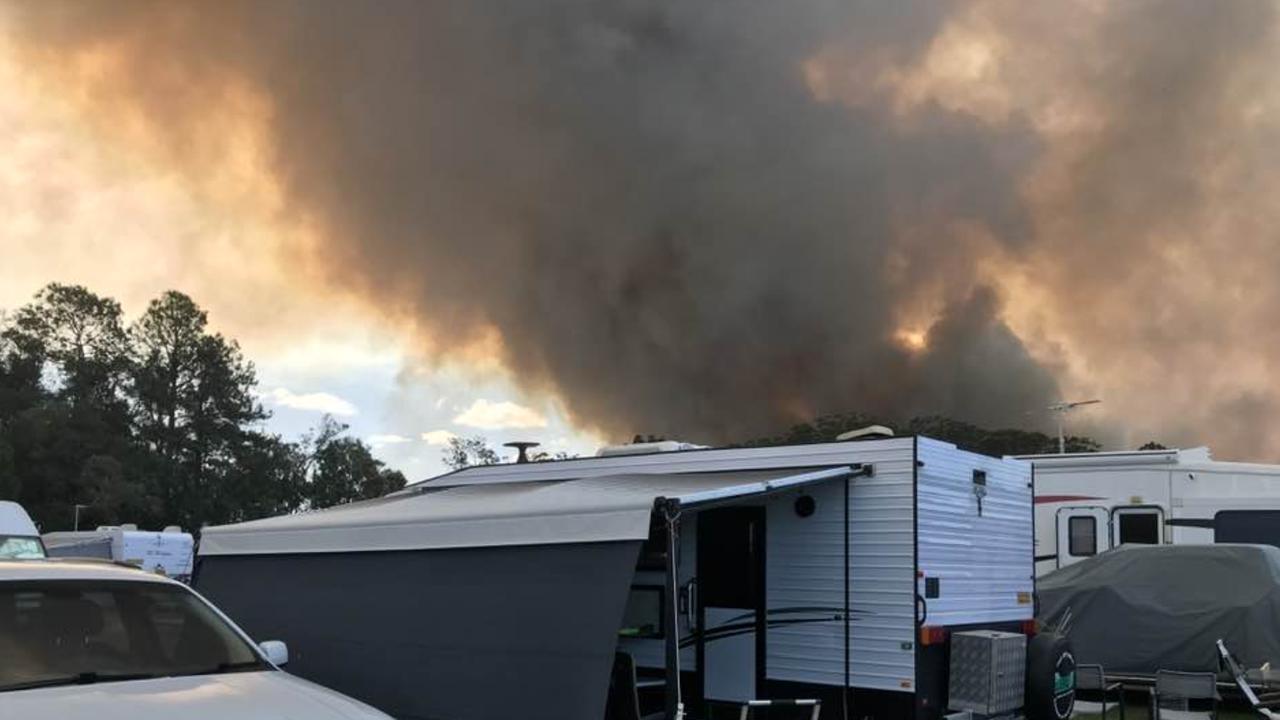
(988, 671)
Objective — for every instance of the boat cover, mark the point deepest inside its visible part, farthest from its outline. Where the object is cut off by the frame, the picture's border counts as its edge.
(1142, 608)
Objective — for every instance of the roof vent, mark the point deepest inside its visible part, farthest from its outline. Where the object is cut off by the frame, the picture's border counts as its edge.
(523, 447)
(646, 448)
(870, 431)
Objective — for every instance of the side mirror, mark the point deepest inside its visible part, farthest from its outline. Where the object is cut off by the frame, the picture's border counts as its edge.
(277, 652)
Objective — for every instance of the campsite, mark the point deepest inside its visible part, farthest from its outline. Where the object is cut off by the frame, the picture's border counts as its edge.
(639, 359)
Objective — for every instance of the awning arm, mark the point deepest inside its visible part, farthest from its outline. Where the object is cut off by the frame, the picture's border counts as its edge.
(671, 621)
(730, 495)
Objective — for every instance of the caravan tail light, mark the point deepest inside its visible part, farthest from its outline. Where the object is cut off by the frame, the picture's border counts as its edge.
(933, 635)
(1030, 628)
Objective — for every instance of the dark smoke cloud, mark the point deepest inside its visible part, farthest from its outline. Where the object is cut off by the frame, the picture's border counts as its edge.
(644, 198)
(667, 226)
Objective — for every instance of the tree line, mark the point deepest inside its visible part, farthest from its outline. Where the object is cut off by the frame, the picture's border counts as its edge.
(156, 422)
(964, 435)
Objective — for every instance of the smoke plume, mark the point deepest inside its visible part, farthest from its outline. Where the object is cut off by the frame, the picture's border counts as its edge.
(712, 219)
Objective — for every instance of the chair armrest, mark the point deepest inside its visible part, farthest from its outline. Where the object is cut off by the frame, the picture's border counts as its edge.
(1152, 706)
(1113, 687)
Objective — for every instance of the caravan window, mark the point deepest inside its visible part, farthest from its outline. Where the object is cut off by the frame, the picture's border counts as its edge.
(1082, 532)
(643, 615)
(1138, 527)
(14, 547)
(1261, 527)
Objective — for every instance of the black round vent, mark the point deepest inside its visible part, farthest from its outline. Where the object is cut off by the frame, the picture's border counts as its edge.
(805, 506)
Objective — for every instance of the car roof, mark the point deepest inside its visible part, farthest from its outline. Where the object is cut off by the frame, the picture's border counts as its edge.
(60, 569)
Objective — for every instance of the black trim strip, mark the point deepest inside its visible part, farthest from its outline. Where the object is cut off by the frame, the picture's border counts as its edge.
(724, 631)
(1190, 522)
(844, 696)
(1043, 558)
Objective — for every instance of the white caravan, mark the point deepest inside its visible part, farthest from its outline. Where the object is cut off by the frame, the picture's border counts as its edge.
(166, 552)
(707, 579)
(1089, 502)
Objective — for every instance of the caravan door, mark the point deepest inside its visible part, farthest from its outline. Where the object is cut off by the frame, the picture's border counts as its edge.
(1083, 531)
(731, 602)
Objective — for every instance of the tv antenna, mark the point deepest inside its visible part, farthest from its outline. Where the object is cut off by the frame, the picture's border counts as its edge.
(1062, 408)
(522, 447)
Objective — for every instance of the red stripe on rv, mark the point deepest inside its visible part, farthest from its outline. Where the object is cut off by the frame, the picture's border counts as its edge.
(1041, 499)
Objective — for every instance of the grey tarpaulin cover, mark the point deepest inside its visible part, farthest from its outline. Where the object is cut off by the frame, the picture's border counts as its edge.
(1141, 608)
(78, 544)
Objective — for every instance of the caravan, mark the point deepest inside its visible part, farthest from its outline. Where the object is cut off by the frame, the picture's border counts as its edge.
(19, 538)
(845, 573)
(1089, 502)
(167, 552)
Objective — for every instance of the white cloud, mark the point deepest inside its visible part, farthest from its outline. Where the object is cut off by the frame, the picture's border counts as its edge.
(317, 402)
(383, 440)
(438, 437)
(500, 416)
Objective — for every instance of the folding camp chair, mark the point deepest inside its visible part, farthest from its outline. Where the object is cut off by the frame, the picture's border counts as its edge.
(1184, 695)
(1230, 664)
(1093, 681)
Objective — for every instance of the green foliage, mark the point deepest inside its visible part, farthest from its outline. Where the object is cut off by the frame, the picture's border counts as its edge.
(343, 469)
(80, 337)
(965, 435)
(155, 423)
(465, 452)
(1152, 445)
(546, 456)
(193, 407)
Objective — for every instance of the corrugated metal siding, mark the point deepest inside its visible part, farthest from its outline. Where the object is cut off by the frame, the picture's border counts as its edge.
(805, 570)
(806, 557)
(882, 571)
(982, 563)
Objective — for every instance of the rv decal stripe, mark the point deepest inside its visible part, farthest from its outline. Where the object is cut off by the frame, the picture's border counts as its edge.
(1041, 499)
(1043, 558)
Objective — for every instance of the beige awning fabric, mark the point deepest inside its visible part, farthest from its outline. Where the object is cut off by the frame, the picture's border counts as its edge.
(594, 509)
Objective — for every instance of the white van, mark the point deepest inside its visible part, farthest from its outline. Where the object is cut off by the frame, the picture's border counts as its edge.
(19, 538)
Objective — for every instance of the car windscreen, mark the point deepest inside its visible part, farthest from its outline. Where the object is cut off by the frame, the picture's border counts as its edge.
(20, 547)
(66, 632)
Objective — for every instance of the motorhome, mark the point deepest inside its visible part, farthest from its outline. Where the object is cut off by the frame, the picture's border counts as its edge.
(1089, 502)
(689, 582)
(19, 538)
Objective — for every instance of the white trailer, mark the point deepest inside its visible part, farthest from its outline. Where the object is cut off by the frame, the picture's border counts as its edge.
(1089, 502)
(166, 552)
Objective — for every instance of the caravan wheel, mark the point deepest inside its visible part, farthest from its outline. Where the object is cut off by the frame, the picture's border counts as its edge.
(1051, 678)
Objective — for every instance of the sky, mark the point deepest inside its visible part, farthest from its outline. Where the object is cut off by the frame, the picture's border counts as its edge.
(572, 223)
(76, 210)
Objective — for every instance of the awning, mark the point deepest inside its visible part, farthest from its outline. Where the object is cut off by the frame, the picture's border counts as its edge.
(594, 509)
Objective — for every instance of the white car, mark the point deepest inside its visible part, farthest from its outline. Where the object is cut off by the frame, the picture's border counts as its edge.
(82, 640)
